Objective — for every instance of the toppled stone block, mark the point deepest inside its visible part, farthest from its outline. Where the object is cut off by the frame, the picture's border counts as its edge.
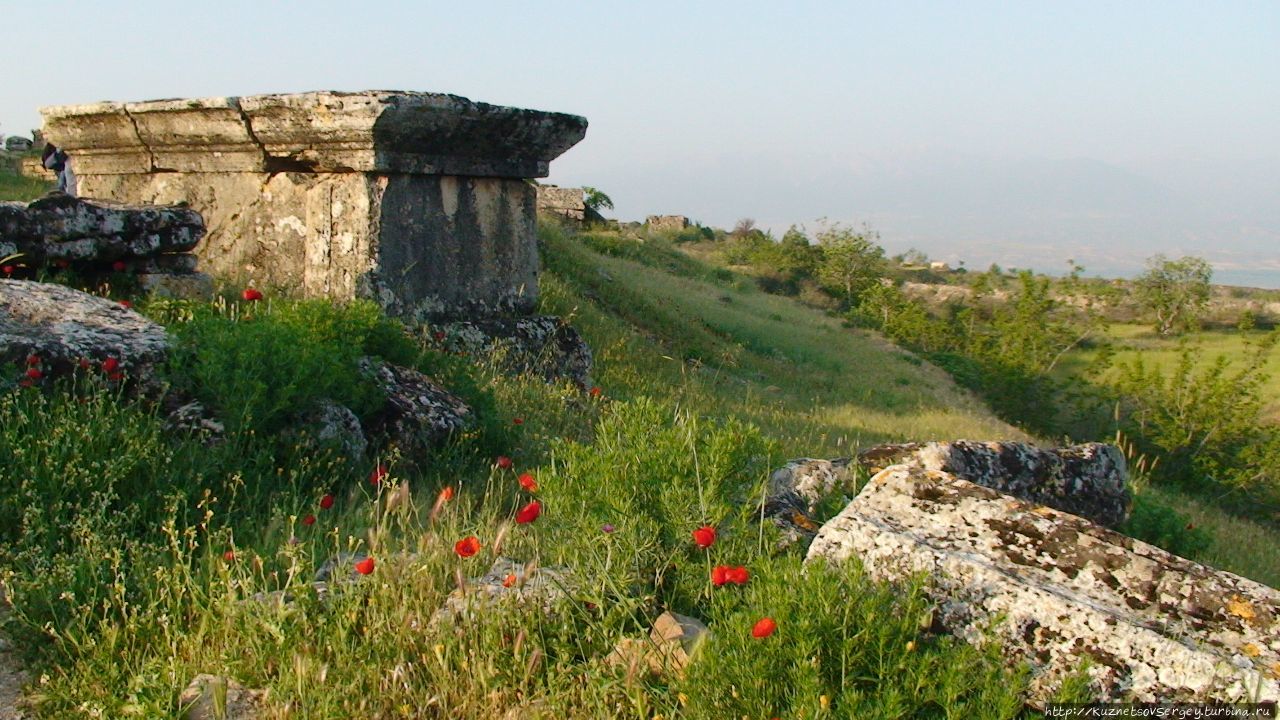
(216, 697)
(796, 489)
(1088, 480)
(415, 200)
(66, 330)
(508, 581)
(334, 425)
(93, 235)
(545, 346)
(1056, 590)
(418, 414)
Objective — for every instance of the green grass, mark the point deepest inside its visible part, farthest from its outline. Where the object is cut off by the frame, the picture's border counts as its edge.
(133, 555)
(14, 186)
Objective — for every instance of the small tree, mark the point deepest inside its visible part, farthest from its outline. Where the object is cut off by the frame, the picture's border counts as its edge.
(595, 200)
(852, 261)
(1176, 291)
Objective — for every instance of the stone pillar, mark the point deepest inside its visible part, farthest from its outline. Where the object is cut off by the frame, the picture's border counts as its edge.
(416, 200)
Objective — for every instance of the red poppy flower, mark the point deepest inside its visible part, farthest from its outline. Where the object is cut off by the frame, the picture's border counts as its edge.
(126, 303)
(33, 359)
(110, 365)
(529, 513)
(309, 520)
(517, 421)
(119, 266)
(229, 556)
(737, 575)
(115, 376)
(763, 628)
(528, 483)
(719, 575)
(8, 269)
(596, 392)
(85, 364)
(326, 502)
(378, 475)
(467, 546)
(503, 462)
(439, 336)
(704, 536)
(34, 373)
(251, 295)
(365, 566)
(446, 494)
(508, 581)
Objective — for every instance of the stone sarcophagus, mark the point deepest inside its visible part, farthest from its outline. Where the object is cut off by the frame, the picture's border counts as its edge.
(419, 201)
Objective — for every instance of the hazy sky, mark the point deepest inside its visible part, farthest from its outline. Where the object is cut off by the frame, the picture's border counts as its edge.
(1022, 133)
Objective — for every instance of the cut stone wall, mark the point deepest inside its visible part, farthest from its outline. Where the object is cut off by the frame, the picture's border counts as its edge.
(667, 223)
(416, 200)
(565, 202)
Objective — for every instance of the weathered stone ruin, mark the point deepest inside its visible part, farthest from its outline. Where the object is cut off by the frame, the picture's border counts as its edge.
(96, 238)
(666, 223)
(566, 203)
(1061, 593)
(416, 200)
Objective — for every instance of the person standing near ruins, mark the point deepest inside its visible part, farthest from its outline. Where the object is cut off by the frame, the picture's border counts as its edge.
(57, 161)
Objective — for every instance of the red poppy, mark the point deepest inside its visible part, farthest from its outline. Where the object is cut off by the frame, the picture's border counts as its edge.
(378, 475)
(126, 303)
(517, 421)
(763, 628)
(33, 359)
(439, 336)
(309, 520)
(719, 575)
(704, 536)
(365, 566)
(503, 462)
(119, 266)
(737, 575)
(110, 365)
(596, 392)
(467, 546)
(446, 494)
(85, 364)
(326, 502)
(34, 373)
(115, 376)
(529, 513)
(528, 483)
(508, 581)
(229, 556)
(251, 294)
(8, 269)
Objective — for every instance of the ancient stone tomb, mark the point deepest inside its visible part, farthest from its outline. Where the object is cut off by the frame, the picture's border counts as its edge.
(417, 200)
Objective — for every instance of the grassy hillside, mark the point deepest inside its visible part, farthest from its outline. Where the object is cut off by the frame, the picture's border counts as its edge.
(136, 559)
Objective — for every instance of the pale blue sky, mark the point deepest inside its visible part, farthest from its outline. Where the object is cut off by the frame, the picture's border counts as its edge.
(1021, 133)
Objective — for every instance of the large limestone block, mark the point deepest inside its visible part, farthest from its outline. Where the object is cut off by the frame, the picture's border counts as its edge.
(1088, 480)
(63, 327)
(1056, 590)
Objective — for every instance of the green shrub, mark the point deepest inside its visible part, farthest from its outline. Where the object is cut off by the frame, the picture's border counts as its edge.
(1154, 522)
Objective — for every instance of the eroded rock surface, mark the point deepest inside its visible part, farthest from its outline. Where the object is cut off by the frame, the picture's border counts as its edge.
(545, 346)
(418, 414)
(1056, 590)
(1088, 480)
(67, 331)
(795, 490)
(97, 237)
(216, 697)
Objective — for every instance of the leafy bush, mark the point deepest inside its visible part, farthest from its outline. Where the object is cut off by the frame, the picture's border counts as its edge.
(1156, 523)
